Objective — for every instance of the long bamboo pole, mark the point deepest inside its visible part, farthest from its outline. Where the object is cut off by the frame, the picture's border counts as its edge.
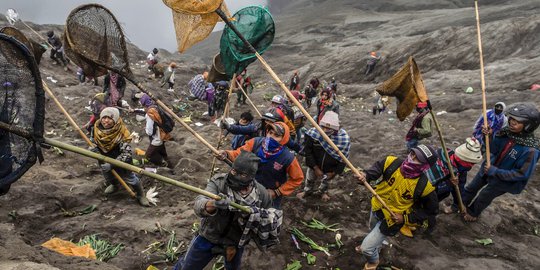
(177, 118)
(299, 105)
(120, 164)
(78, 129)
(443, 144)
(249, 99)
(225, 115)
(483, 83)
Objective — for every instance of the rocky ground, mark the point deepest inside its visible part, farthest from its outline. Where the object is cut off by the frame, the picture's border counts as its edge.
(319, 38)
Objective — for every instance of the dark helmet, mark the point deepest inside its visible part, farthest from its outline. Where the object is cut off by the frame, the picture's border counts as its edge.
(50, 33)
(527, 113)
(272, 115)
(155, 50)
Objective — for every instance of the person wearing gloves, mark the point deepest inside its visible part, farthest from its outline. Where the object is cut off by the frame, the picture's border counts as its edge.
(279, 171)
(112, 139)
(322, 160)
(222, 226)
(514, 154)
(406, 191)
(496, 121)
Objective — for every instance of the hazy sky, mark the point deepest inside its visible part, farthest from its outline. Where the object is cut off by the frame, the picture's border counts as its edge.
(147, 23)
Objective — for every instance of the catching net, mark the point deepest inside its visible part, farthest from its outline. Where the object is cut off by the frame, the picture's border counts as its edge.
(194, 20)
(406, 91)
(257, 27)
(35, 48)
(89, 69)
(21, 105)
(96, 39)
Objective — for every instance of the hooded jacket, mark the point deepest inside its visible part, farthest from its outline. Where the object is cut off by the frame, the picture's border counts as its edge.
(283, 174)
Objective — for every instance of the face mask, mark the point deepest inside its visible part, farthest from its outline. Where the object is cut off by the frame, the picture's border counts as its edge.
(237, 183)
(498, 111)
(412, 169)
(330, 132)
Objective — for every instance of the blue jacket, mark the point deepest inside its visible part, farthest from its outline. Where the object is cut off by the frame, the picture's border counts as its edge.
(242, 133)
(515, 168)
(252, 130)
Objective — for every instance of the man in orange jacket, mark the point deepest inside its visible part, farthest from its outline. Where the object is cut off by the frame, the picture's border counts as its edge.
(279, 171)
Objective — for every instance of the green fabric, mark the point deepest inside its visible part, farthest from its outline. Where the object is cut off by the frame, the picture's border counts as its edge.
(257, 27)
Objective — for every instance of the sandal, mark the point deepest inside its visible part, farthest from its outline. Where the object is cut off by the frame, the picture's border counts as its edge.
(449, 210)
(469, 218)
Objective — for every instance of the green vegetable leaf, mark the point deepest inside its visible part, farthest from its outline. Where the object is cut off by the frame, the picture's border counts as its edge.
(295, 265)
(311, 259)
(485, 242)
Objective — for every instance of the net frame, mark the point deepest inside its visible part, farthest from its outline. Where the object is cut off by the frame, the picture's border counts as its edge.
(96, 37)
(17, 60)
(233, 47)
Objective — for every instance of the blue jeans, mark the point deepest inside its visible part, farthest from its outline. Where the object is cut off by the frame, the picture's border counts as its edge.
(484, 192)
(412, 143)
(373, 241)
(200, 254)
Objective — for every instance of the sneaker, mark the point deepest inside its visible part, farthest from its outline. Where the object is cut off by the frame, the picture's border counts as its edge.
(170, 90)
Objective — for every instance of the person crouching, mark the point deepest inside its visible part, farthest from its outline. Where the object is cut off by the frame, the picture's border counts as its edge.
(112, 139)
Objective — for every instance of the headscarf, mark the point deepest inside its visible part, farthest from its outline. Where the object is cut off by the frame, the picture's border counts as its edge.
(108, 139)
(146, 101)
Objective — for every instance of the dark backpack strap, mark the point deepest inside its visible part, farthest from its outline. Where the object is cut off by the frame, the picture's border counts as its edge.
(391, 169)
(420, 186)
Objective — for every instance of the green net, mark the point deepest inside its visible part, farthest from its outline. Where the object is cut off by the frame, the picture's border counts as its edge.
(257, 26)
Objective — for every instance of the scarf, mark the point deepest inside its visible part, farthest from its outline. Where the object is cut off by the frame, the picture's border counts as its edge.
(341, 140)
(269, 150)
(252, 199)
(525, 139)
(440, 171)
(416, 121)
(108, 139)
(113, 90)
(411, 169)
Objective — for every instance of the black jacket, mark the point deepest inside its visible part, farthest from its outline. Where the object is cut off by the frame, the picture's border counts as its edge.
(316, 156)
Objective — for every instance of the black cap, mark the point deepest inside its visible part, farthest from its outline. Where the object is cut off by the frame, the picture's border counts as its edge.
(425, 154)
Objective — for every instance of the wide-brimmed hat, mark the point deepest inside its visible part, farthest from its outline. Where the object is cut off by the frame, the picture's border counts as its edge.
(469, 151)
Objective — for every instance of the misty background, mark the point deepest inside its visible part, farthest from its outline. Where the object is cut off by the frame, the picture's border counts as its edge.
(146, 23)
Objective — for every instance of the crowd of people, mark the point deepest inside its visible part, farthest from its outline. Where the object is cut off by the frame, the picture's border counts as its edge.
(267, 156)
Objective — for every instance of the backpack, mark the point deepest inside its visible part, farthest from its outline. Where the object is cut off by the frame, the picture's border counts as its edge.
(420, 186)
(167, 122)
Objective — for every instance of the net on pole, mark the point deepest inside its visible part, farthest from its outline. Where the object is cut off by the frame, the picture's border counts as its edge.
(22, 105)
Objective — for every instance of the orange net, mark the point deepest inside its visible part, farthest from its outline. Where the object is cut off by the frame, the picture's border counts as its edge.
(194, 20)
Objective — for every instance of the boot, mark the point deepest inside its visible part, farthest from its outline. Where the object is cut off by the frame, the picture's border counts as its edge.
(141, 197)
(110, 189)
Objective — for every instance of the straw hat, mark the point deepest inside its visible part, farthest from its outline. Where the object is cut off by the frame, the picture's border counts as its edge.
(469, 151)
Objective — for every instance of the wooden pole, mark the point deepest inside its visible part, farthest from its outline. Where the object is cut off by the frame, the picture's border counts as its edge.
(177, 118)
(299, 105)
(78, 129)
(443, 144)
(225, 115)
(249, 99)
(117, 163)
(483, 83)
